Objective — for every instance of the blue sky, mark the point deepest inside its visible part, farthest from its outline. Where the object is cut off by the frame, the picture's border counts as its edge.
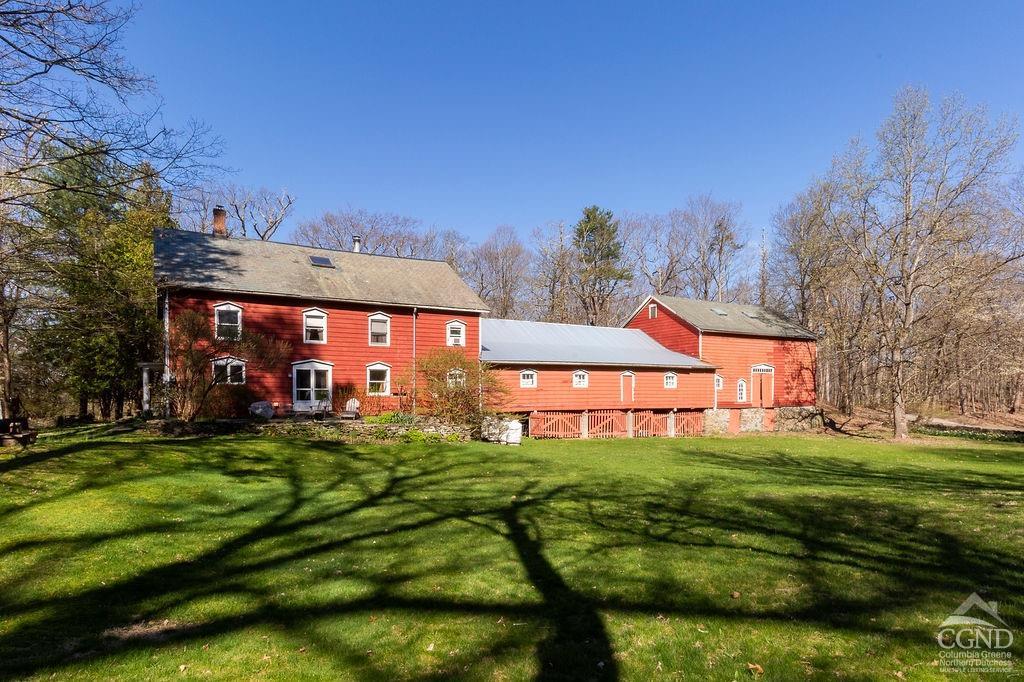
(473, 114)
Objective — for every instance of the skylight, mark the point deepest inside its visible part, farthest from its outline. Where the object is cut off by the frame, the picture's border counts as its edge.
(749, 314)
(321, 261)
(719, 311)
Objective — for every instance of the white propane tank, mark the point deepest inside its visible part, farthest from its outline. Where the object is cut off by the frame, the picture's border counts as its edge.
(512, 432)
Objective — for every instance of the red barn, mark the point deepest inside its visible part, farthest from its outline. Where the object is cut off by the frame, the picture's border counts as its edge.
(565, 373)
(355, 321)
(764, 360)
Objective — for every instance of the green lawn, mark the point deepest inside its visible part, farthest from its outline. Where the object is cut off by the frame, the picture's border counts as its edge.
(240, 557)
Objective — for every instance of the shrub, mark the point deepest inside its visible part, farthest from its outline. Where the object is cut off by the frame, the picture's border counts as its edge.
(457, 388)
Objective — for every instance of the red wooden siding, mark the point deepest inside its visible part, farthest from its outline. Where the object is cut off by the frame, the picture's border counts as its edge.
(555, 391)
(347, 339)
(792, 359)
(669, 330)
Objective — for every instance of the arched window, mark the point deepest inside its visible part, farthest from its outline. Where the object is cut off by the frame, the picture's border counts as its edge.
(314, 326)
(229, 370)
(741, 391)
(719, 383)
(528, 378)
(671, 381)
(456, 378)
(455, 333)
(380, 329)
(227, 319)
(580, 378)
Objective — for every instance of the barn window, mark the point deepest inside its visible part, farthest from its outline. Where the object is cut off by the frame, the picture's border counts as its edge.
(670, 380)
(229, 371)
(378, 379)
(652, 311)
(455, 333)
(456, 378)
(528, 379)
(719, 383)
(314, 326)
(380, 329)
(227, 319)
(580, 379)
(741, 391)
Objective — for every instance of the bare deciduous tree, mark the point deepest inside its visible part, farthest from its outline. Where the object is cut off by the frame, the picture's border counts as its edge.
(387, 234)
(495, 269)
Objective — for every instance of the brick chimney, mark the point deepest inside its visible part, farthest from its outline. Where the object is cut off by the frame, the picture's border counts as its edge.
(357, 243)
(220, 221)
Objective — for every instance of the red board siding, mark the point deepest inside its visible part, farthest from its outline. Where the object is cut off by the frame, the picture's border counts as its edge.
(554, 389)
(793, 361)
(668, 329)
(347, 338)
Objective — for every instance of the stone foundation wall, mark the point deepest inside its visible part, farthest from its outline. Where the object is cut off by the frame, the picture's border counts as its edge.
(804, 418)
(752, 419)
(716, 422)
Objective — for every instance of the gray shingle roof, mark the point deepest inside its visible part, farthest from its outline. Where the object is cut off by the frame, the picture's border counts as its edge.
(202, 261)
(547, 343)
(734, 318)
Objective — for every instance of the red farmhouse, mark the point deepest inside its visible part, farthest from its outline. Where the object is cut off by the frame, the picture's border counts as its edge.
(357, 323)
(354, 320)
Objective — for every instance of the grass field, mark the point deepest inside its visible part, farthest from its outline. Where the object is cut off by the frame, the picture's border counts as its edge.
(136, 556)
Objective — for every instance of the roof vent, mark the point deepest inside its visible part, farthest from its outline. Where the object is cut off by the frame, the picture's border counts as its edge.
(321, 261)
(719, 311)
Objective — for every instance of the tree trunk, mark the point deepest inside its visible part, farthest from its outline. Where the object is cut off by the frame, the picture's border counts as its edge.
(83, 406)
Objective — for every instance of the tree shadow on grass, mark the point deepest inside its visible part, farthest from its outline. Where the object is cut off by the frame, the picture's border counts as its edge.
(382, 524)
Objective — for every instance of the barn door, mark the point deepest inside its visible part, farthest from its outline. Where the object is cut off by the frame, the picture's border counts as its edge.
(627, 387)
(762, 386)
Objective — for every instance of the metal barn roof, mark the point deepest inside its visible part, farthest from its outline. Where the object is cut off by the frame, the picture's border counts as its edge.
(202, 261)
(734, 318)
(548, 343)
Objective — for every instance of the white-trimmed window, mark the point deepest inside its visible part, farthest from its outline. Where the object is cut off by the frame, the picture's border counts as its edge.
(456, 378)
(380, 329)
(455, 333)
(378, 379)
(229, 371)
(652, 311)
(311, 384)
(227, 321)
(719, 383)
(741, 391)
(671, 380)
(314, 326)
(580, 378)
(528, 378)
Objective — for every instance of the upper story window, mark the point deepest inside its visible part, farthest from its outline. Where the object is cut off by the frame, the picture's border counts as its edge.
(671, 381)
(580, 379)
(719, 383)
(741, 391)
(227, 318)
(528, 379)
(652, 311)
(229, 371)
(380, 329)
(378, 379)
(314, 326)
(456, 378)
(455, 333)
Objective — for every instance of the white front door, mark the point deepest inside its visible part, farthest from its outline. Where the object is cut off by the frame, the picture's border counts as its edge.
(311, 386)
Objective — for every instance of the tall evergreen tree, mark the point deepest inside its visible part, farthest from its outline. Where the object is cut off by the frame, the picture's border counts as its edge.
(602, 269)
